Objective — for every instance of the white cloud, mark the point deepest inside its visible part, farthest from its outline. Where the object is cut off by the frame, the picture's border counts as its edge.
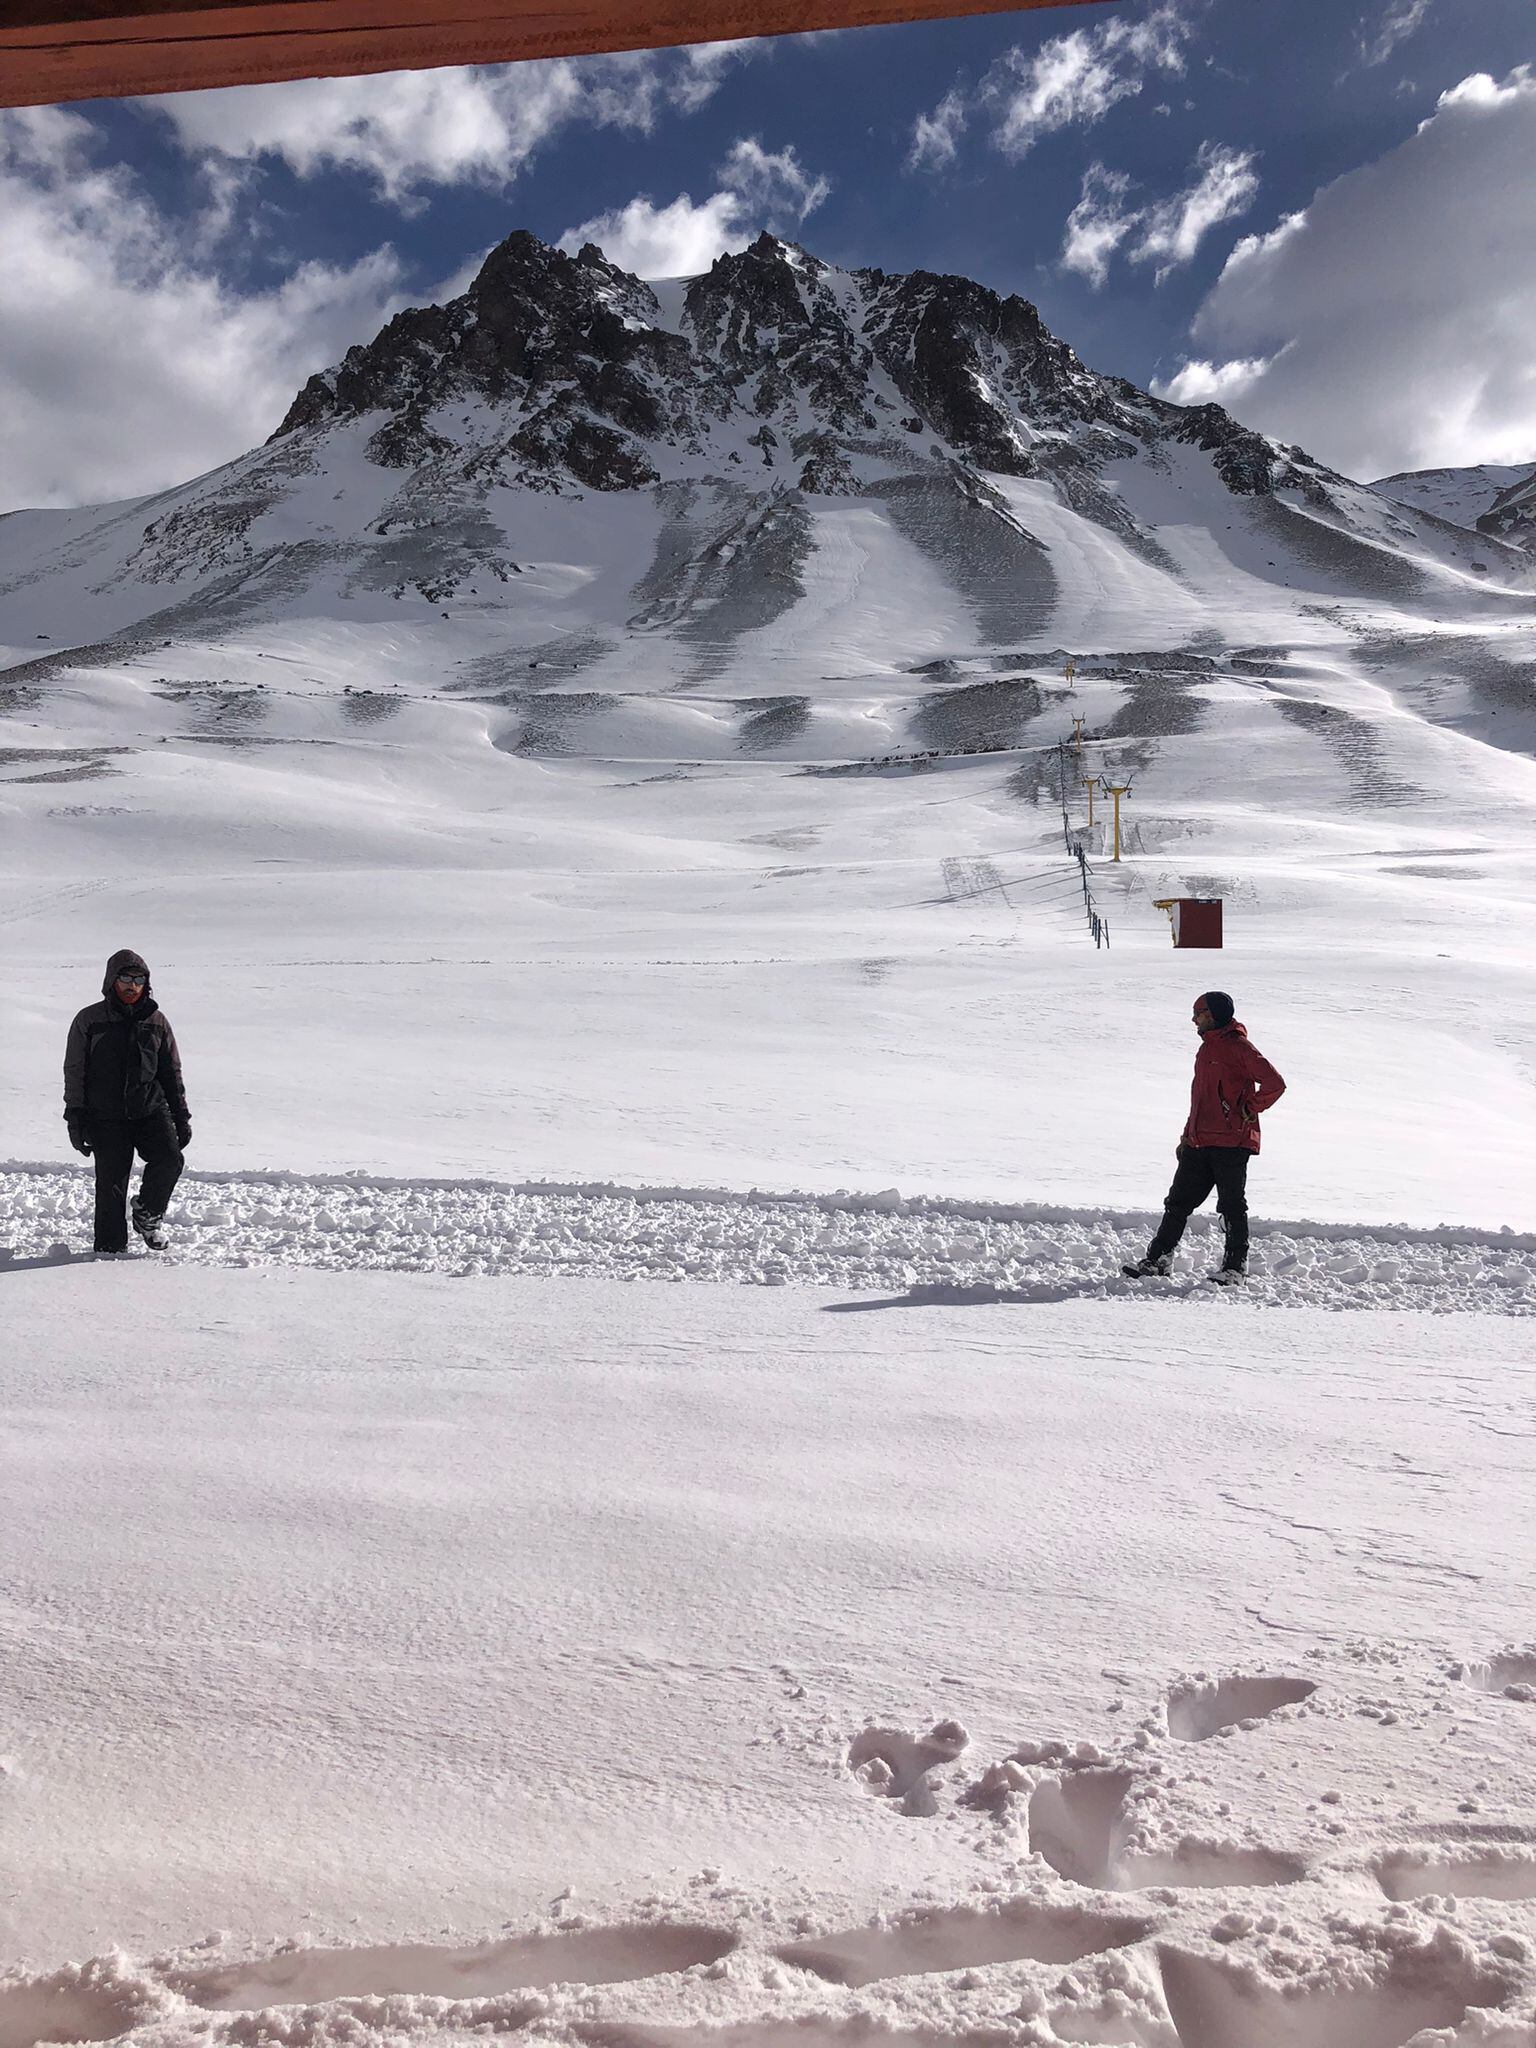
(702, 68)
(1098, 224)
(772, 186)
(473, 124)
(1074, 80)
(1479, 90)
(1395, 26)
(125, 366)
(679, 240)
(935, 136)
(1168, 232)
(1393, 317)
(759, 188)
(1173, 230)
(1199, 383)
(1069, 81)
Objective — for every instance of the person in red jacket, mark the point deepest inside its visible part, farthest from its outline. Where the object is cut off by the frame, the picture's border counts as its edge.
(1234, 1084)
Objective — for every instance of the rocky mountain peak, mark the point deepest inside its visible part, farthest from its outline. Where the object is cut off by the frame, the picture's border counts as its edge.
(771, 364)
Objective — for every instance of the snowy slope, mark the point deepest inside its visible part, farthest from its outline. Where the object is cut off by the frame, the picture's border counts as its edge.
(1460, 495)
(1512, 515)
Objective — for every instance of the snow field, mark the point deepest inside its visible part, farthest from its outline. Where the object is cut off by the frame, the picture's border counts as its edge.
(650, 1689)
(445, 960)
(856, 1242)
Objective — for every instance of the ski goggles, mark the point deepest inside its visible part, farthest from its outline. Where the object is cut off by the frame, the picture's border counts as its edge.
(134, 980)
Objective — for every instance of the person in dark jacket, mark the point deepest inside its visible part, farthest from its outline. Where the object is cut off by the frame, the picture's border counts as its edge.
(1234, 1084)
(123, 1094)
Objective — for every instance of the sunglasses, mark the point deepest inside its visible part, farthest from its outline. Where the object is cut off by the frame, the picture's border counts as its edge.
(133, 981)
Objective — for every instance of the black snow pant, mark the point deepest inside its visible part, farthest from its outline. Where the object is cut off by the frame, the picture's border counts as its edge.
(113, 1144)
(1201, 1168)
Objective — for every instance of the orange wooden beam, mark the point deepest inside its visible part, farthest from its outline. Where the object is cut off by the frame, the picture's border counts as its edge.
(54, 50)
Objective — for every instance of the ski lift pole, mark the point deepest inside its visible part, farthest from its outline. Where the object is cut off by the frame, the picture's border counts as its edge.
(1090, 783)
(1061, 777)
(1077, 734)
(1117, 790)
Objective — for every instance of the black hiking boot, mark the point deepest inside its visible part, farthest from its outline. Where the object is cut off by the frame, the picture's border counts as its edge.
(150, 1228)
(1227, 1276)
(1149, 1268)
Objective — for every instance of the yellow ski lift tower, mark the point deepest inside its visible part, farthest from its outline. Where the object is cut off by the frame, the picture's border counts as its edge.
(1090, 783)
(1077, 734)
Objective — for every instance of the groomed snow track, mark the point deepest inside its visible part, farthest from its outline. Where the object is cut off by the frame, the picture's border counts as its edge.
(878, 1242)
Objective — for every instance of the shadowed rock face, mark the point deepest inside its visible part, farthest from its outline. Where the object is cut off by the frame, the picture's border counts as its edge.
(947, 343)
(573, 338)
(1512, 515)
(780, 364)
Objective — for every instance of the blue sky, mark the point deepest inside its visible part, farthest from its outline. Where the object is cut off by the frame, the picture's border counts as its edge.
(1292, 208)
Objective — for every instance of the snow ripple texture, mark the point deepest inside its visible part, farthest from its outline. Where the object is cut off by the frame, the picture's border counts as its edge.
(860, 1242)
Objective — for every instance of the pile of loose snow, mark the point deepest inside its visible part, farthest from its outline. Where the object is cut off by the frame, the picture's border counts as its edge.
(979, 1249)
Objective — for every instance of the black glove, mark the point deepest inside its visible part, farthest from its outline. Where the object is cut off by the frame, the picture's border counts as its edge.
(183, 1133)
(78, 1136)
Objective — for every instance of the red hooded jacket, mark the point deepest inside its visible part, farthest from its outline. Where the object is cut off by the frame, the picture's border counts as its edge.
(1233, 1084)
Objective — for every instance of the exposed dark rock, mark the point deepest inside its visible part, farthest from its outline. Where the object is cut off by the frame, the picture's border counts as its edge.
(772, 722)
(1512, 515)
(405, 441)
(579, 384)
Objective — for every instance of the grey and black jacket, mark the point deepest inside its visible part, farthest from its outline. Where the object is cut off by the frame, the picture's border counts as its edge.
(121, 1064)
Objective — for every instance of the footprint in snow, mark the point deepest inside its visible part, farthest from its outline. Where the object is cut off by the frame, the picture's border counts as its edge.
(1510, 1675)
(1079, 1824)
(804, 2033)
(588, 1955)
(1215, 2005)
(894, 1764)
(1199, 1708)
(963, 1938)
(71, 2005)
(1479, 1874)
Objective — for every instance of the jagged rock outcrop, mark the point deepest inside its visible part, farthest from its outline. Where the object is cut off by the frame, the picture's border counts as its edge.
(559, 371)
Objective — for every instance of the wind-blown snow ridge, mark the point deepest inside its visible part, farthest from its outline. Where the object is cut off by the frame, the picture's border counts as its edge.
(858, 1242)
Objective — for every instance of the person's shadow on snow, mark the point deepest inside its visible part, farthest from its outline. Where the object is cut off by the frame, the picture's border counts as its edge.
(943, 1294)
(57, 1255)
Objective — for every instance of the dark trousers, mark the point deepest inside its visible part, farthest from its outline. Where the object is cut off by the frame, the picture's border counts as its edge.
(1201, 1168)
(112, 1147)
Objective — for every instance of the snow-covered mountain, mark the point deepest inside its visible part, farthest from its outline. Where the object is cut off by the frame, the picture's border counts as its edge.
(1461, 495)
(1512, 515)
(584, 472)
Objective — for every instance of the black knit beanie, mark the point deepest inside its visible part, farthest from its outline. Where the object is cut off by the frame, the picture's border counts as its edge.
(1220, 1006)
